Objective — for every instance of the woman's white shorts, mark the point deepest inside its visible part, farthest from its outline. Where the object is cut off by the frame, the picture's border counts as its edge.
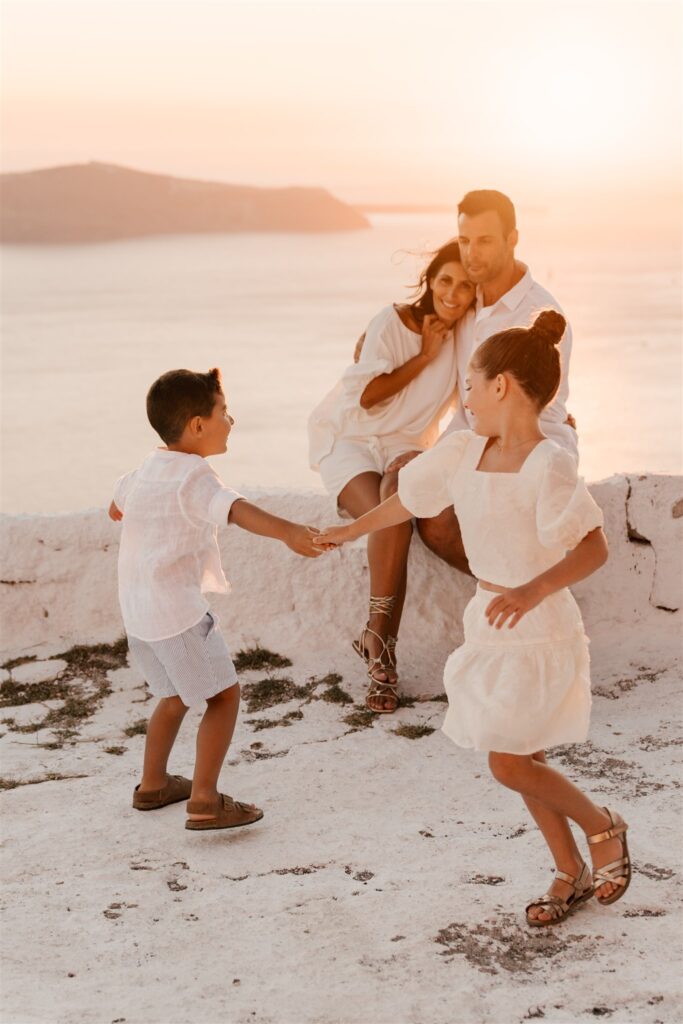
(349, 458)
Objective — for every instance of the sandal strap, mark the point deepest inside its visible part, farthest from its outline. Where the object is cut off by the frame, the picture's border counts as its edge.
(554, 903)
(569, 879)
(377, 689)
(617, 828)
(382, 605)
(615, 871)
(377, 662)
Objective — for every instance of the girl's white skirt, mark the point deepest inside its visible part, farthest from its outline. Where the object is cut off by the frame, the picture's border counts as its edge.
(524, 689)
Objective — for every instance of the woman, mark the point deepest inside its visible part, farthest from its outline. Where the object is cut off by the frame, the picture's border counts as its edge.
(388, 404)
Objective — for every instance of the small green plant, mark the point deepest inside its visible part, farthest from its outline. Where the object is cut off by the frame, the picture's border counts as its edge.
(360, 718)
(255, 659)
(138, 728)
(271, 691)
(412, 732)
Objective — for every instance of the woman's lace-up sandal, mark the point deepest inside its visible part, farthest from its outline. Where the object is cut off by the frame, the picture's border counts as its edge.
(617, 872)
(380, 689)
(558, 908)
(391, 650)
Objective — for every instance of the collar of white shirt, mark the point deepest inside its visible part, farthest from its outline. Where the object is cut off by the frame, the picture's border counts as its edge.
(511, 299)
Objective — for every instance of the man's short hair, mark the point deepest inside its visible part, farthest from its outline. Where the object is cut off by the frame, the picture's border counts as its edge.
(177, 396)
(486, 199)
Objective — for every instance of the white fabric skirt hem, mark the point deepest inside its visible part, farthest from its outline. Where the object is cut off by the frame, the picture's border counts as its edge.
(523, 690)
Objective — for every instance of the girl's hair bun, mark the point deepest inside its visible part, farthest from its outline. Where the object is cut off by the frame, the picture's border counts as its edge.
(549, 326)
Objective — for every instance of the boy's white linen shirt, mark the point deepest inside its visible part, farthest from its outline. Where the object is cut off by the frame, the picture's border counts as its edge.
(517, 308)
(168, 556)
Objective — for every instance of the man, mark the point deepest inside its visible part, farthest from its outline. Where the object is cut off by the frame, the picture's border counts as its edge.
(507, 296)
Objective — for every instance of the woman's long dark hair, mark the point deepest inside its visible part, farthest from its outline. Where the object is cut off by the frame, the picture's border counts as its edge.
(423, 305)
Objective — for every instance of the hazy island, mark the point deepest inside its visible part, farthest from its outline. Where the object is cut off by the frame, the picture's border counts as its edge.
(99, 202)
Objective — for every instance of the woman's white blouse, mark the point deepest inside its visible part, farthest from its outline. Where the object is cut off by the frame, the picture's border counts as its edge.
(168, 556)
(412, 415)
(514, 525)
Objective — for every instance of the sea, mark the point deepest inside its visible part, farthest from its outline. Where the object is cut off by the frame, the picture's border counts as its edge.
(87, 328)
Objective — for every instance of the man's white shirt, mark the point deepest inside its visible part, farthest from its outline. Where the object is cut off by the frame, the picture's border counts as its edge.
(517, 308)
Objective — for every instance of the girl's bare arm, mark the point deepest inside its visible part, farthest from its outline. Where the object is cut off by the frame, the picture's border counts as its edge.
(588, 555)
(390, 513)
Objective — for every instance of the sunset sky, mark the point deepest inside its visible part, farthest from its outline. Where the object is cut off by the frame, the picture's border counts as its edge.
(378, 101)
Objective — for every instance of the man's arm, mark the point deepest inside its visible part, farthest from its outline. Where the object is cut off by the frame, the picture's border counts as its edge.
(256, 520)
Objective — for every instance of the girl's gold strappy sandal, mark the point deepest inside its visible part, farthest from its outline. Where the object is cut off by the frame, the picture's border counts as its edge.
(617, 872)
(555, 905)
(379, 688)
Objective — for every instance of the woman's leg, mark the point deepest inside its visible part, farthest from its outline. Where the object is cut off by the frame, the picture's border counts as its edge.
(387, 556)
(536, 780)
(387, 487)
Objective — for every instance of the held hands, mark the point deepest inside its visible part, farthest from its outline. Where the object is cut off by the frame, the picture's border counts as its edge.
(333, 537)
(301, 539)
(513, 604)
(115, 513)
(434, 334)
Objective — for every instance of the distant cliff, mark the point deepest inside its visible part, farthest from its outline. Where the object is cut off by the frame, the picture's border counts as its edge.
(98, 202)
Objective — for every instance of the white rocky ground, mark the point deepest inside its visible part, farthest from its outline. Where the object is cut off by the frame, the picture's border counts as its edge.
(387, 880)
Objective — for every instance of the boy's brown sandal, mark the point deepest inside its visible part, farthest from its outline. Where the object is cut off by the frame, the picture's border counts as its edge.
(225, 813)
(558, 908)
(177, 788)
(617, 872)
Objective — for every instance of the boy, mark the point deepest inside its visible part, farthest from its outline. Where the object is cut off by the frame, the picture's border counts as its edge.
(168, 559)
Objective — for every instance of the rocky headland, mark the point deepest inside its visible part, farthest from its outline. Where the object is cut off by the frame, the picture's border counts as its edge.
(98, 202)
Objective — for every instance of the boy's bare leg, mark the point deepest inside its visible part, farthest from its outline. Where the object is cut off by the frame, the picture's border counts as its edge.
(441, 534)
(387, 557)
(162, 730)
(537, 780)
(213, 739)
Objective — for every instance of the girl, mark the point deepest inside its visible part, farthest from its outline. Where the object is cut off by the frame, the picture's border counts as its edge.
(387, 404)
(520, 682)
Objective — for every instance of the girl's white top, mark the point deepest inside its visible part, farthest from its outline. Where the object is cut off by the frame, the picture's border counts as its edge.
(168, 556)
(412, 416)
(514, 525)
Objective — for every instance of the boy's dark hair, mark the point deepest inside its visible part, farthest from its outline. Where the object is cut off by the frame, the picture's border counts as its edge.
(486, 199)
(177, 396)
(529, 354)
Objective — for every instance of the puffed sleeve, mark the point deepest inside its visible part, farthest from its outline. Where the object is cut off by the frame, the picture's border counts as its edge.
(204, 496)
(424, 485)
(565, 511)
(122, 489)
(378, 356)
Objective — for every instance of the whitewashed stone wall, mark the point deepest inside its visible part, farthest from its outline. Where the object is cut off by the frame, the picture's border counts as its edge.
(58, 585)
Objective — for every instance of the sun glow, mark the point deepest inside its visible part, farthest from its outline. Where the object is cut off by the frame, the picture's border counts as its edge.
(385, 101)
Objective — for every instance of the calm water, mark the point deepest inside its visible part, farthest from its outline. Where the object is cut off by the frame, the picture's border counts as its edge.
(87, 328)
